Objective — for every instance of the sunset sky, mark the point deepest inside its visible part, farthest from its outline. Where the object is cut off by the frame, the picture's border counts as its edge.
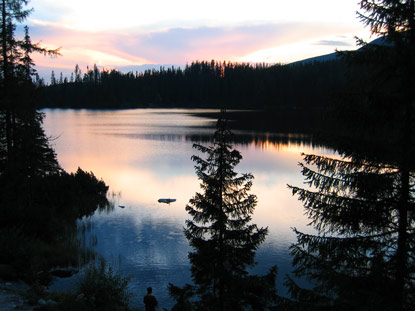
(125, 33)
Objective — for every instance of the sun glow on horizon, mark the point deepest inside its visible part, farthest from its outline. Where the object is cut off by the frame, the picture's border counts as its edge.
(165, 32)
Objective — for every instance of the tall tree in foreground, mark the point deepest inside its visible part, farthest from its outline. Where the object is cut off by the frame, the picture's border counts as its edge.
(18, 116)
(221, 235)
(39, 202)
(362, 205)
(354, 260)
(393, 71)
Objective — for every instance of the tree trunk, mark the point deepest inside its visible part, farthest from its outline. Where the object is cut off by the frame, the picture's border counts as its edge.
(402, 251)
(6, 83)
(403, 205)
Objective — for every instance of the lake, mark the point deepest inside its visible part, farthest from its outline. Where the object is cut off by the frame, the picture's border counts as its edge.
(144, 155)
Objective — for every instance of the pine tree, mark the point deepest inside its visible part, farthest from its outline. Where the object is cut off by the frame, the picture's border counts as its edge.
(16, 71)
(25, 153)
(223, 240)
(12, 11)
(26, 66)
(362, 205)
(39, 202)
(354, 206)
(52, 78)
(78, 74)
(395, 20)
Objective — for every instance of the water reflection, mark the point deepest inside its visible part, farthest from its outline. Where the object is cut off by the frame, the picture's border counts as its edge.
(144, 154)
(259, 140)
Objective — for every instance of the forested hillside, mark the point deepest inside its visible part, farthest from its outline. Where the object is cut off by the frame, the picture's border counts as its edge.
(202, 84)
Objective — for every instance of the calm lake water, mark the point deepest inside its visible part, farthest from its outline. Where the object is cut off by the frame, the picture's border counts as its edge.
(144, 155)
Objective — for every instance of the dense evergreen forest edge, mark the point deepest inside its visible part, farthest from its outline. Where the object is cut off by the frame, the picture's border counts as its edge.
(202, 84)
(287, 98)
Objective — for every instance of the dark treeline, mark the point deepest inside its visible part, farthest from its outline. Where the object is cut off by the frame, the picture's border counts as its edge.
(202, 84)
(40, 203)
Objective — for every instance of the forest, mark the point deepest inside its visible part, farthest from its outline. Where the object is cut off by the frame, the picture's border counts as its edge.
(40, 203)
(305, 85)
(360, 202)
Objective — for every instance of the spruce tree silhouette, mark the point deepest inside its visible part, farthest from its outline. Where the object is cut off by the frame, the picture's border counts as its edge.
(221, 235)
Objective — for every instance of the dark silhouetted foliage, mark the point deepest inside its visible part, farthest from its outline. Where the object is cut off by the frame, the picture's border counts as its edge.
(362, 257)
(223, 240)
(99, 289)
(204, 84)
(39, 202)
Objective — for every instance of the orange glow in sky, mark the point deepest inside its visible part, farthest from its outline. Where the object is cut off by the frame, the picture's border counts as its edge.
(133, 33)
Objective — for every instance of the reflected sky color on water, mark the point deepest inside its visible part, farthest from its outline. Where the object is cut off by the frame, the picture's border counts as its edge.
(144, 155)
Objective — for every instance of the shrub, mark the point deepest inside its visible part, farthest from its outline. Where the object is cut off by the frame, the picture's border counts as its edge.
(99, 289)
(103, 289)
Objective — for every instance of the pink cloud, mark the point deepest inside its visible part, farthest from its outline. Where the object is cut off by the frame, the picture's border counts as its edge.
(172, 46)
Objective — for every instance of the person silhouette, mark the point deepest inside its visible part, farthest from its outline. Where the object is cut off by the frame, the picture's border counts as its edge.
(150, 301)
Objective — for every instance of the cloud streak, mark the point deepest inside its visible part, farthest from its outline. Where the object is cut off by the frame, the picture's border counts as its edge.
(332, 43)
(136, 32)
